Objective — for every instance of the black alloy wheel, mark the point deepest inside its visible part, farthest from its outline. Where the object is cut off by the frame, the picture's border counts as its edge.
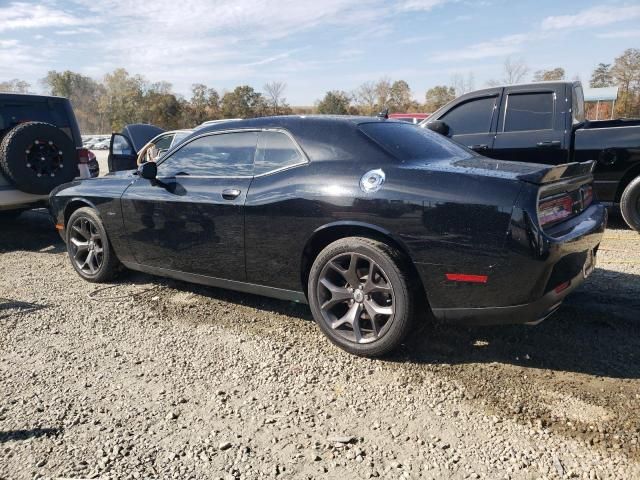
(89, 248)
(86, 246)
(360, 295)
(356, 298)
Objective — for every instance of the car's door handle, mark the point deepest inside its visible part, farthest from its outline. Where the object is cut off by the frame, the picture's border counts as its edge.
(230, 193)
(549, 144)
(479, 147)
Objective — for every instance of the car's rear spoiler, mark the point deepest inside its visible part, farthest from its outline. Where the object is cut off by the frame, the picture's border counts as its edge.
(554, 173)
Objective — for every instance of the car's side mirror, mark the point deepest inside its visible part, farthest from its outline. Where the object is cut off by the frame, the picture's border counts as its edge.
(439, 126)
(148, 170)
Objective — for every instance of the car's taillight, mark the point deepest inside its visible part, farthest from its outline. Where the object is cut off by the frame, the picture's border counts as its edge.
(83, 155)
(555, 209)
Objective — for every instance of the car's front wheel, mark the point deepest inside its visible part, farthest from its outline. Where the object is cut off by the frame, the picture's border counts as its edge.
(360, 296)
(89, 248)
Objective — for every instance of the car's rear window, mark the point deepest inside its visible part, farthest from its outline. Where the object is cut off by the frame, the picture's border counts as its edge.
(411, 142)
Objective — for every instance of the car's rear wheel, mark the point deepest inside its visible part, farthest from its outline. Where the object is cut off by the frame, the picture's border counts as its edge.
(360, 296)
(89, 248)
(630, 204)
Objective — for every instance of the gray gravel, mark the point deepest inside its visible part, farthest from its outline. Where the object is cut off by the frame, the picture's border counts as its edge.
(152, 378)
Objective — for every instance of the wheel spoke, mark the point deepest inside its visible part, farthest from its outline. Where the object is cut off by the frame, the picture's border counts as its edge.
(374, 309)
(338, 294)
(370, 285)
(351, 275)
(88, 262)
(79, 245)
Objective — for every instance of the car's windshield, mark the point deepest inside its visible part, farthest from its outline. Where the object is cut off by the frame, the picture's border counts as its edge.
(410, 142)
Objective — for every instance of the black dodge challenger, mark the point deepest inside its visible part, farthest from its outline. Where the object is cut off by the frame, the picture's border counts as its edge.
(366, 219)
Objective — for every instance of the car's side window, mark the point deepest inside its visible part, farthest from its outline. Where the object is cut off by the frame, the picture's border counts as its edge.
(121, 145)
(164, 142)
(528, 111)
(276, 150)
(225, 155)
(471, 117)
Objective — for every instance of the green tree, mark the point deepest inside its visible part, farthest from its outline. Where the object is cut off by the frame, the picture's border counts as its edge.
(15, 86)
(601, 76)
(83, 92)
(626, 71)
(335, 102)
(123, 99)
(204, 104)
(549, 75)
(438, 96)
(162, 107)
(400, 99)
(243, 102)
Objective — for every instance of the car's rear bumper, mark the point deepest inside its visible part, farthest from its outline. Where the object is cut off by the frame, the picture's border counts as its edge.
(565, 261)
(533, 312)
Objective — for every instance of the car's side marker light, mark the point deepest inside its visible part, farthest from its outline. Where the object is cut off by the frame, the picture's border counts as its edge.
(464, 277)
(563, 286)
(59, 226)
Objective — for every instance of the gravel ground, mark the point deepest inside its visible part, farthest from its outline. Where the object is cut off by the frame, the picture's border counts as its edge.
(152, 378)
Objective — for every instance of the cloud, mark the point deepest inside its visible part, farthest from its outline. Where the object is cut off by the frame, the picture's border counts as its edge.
(418, 5)
(20, 15)
(592, 17)
(620, 34)
(499, 47)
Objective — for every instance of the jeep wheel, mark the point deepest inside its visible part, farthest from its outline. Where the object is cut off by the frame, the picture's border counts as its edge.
(37, 157)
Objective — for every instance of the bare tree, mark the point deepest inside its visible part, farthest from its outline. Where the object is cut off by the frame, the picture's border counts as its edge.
(15, 86)
(462, 85)
(274, 91)
(366, 98)
(514, 70)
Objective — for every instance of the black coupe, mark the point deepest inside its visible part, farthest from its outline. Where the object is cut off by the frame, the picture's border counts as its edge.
(366, 219)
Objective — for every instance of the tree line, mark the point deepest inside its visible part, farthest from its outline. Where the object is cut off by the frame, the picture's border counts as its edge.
(121, 98)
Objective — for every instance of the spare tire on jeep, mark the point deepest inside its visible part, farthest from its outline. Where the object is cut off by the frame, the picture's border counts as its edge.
(37, 157)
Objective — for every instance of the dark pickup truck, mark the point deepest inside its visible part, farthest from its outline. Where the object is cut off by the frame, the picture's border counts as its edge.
(544, 123)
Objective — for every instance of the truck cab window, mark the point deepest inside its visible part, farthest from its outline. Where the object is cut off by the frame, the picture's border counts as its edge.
(529, 111)
(470, 117)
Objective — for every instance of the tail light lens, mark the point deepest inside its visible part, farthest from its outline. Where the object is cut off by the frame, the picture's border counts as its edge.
(555, 209)
(84, 155)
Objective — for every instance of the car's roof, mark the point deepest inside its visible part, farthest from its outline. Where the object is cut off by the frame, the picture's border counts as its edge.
(291, 122)
(30, 96)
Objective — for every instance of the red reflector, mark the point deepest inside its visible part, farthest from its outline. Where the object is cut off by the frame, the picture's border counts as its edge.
(562, 287)
(463, 277)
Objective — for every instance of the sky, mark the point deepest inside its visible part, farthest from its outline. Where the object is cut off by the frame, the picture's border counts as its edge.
(312, 46)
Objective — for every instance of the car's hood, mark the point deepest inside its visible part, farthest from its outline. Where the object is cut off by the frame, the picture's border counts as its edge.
(140, 134)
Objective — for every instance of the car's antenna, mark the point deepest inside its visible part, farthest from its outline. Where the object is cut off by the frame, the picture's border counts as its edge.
(384, 113)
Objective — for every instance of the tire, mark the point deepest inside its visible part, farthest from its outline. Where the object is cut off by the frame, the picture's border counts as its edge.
(630, 204)
(390, 290)
(22, 150)
(85, 235)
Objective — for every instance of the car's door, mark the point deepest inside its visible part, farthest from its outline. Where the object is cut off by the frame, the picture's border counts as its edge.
(472, 122)
(280, 170)
(191, 217)
(122, 156)
(531, 126)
